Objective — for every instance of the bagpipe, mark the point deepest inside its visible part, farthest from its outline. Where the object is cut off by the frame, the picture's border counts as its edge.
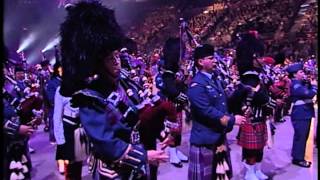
(145, 107)
(27, 101)
(187, 39)
(223, 73)
(222, 69)
(127, 104)
(30, 111)
(28, 108)
(266, 74)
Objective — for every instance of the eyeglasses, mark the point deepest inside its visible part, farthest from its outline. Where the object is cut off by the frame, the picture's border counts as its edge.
(113, 58)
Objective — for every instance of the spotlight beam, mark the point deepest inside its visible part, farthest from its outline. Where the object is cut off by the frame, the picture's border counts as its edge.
(51, 44)
(26, 42)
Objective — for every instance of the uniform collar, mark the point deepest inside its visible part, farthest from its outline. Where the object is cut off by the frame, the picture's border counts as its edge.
(168, 71)
(207, 74)
(296, 80)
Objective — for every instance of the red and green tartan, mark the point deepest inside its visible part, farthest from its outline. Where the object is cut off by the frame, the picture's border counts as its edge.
(253, 136)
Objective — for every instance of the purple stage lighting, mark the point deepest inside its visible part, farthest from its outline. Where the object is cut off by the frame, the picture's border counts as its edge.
(26, 42)
(51, 44)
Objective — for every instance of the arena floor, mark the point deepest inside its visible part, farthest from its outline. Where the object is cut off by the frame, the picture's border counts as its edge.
(276, 164)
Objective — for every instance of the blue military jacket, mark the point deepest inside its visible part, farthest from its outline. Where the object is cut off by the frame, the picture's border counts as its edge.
(19, 91)
(109, 136)
(208, 106)
(51, 88)
(11, 123)
(301, 96)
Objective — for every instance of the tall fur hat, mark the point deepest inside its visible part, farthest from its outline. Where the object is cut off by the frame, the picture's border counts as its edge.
(171, 54)
(247, 50)
(203, 51)
(88, 34)
(18, 69)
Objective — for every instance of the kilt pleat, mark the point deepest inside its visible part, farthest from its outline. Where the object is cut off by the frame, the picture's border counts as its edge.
(200, 166)
(253, 136)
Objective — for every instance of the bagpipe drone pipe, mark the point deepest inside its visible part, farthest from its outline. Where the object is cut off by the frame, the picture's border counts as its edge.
(149, 111)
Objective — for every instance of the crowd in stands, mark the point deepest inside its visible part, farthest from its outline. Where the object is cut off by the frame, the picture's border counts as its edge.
(220, 26)
(287, 33)
(155, 22)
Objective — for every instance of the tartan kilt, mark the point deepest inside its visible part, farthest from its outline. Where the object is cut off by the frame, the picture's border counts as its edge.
(253, 136)
(202, 165)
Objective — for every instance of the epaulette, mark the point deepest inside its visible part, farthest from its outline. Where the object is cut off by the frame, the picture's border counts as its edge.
(168, 71)
(296, 86)
(193, 84)
(87, 97)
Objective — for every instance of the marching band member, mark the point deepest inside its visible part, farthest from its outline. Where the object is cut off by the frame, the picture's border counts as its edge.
(90, 38)
(17, 162)
(66, 123)
(209, 153)
(251, 99)
(173, 88)
(50, 90)
(301, 93)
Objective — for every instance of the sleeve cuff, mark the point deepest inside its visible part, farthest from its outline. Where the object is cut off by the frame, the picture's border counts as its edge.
(314, 88)
(230, 123)
(129, 147)
(11, 127)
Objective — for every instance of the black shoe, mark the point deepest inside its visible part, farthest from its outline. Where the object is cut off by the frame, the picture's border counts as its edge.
(302, 163)
(46, 129)
(185, 161)
(282, 120)
(178, 165)
(31, 150)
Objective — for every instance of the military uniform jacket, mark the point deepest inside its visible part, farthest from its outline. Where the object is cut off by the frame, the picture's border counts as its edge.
(11, 122)
(110, 137)
(208, 106)
(301, 96)
(51, 88)
(14, 143)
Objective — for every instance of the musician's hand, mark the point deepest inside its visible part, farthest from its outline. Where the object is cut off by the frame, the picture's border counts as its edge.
(256, 89)
(314, 82)
(239, 119)
(248, 113)
(169, 140)
(26, 130)
(35, 122)
(157, 156)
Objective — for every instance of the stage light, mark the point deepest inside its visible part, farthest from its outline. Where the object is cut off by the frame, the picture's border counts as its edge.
(50, 45)
(52, 61)
(26, 42)
(305, 5)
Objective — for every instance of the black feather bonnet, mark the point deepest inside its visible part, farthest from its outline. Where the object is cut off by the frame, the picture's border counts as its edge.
(249, 48)
(171, 54)
(88, 35)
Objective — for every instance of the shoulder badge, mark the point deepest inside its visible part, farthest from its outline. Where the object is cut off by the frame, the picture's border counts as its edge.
(193, 84)
(296, 86)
